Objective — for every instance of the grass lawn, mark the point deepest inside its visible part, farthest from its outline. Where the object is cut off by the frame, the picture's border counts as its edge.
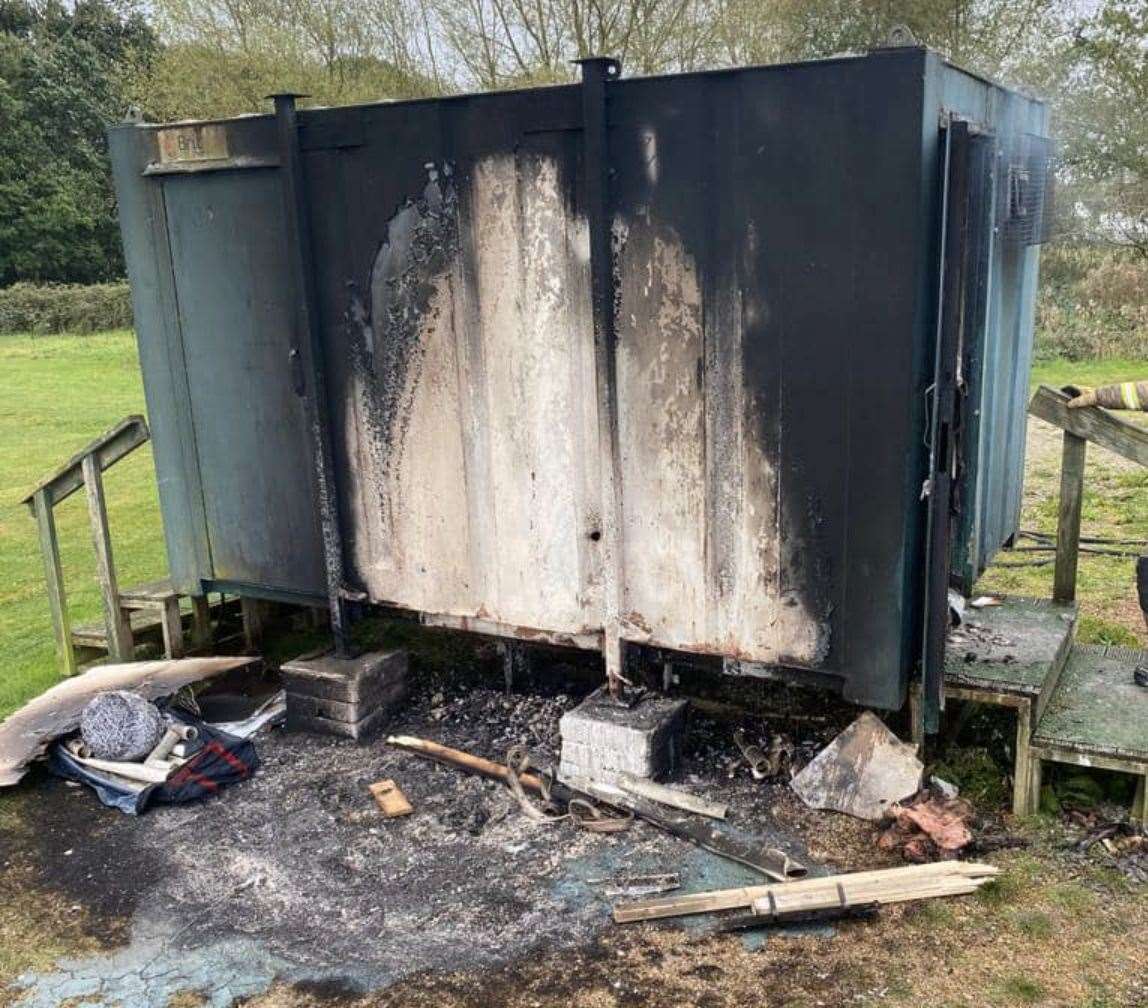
(57, 392)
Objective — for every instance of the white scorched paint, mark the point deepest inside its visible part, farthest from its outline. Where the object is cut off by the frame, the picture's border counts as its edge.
(483, 500)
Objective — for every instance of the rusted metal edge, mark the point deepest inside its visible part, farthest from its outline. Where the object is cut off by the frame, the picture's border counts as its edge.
(587, 640)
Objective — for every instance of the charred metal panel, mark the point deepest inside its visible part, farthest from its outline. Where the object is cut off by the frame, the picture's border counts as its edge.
(756, 339)
(999, 332)
(727, 457)
(463, 346)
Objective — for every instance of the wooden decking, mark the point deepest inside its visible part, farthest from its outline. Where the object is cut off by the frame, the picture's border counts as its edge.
(1075, 703)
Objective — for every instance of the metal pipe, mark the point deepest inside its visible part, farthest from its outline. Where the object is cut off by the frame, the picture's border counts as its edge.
(175, 734)
(596, 72)
(307, 361)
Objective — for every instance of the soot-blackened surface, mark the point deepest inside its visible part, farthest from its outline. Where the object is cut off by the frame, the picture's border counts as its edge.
(295, 877)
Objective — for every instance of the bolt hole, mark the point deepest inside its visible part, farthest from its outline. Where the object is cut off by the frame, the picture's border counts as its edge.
(595, 535)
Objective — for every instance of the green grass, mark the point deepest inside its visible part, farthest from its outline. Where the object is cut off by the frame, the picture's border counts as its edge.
(56, 394)
(1115, 506)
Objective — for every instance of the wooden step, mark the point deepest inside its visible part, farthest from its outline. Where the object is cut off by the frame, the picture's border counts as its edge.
(1018, 647)
(1097, 711)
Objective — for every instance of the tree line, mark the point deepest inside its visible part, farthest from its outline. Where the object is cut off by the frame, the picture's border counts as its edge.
(66, 71)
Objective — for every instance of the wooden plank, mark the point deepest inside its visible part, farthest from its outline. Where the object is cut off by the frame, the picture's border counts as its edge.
(1068, 520)
(111, 446)
(883, 885)
(54, 577)
(151, 592)
(390, 799)
(201, 636)
(1024, 800)
(120, 644)
(172, 628)
(1091, 423)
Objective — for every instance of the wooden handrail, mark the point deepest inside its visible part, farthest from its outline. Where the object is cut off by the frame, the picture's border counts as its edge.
(1089, 423)
(1092, 423)
(111, 446)
(85, 469)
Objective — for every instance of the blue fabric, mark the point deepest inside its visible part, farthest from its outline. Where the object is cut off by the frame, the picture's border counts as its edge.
(217, 759)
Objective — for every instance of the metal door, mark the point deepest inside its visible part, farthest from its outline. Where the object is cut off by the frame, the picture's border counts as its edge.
(229, 260)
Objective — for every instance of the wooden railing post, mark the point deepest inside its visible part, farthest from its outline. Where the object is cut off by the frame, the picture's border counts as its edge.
(1068, 519)
(54, 577)
(120, 644)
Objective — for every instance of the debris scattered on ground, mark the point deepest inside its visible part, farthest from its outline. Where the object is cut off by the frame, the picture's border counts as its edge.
(744, 849)
(674, 797)
(984, 601)
(390, 799)
(862, 772)
(765, 765)
(272, 711)
(212, 761)
(731, 844)
(633, 886)
(776, 901)
(928, 828)
(1124, 842)
(119, 725)
(28, 732)
(943, 788)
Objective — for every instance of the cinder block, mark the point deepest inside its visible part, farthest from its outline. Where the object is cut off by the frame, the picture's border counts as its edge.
(301, 705)
(351, 697)
(350, 680)
(601, 739)
(360, 730)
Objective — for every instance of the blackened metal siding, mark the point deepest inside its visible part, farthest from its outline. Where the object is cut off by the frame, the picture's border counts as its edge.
(731, 464)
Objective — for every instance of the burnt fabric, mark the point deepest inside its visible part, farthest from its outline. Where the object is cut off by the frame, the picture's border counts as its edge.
(1131, 395)
(217, 760)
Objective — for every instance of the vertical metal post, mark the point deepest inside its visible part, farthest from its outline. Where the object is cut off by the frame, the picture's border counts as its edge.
(307, 340)
(597, 71)
(942, 439)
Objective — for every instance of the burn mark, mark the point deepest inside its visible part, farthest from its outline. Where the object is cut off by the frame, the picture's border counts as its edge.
(386, 335)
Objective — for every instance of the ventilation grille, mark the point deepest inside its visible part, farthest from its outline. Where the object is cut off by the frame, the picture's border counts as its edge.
(1026, 203)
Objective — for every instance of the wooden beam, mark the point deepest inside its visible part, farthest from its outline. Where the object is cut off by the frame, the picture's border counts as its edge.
(54, 576)
(1091, 423)
(120, 645)
(886, 885)
(111, 446)
(1068, 518)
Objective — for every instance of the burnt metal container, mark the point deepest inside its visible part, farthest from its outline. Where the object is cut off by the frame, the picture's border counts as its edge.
(729, 363)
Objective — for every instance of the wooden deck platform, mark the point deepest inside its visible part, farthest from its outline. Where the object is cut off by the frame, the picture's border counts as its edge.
(1097, 709)
(1075, 703)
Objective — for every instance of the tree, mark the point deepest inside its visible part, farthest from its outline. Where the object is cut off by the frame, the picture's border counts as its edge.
(1104, 124)
(65, 75)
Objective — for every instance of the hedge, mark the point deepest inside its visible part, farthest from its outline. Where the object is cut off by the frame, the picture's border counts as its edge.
(65, 308)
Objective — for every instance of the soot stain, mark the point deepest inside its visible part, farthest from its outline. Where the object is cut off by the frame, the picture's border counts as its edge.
(386, 332)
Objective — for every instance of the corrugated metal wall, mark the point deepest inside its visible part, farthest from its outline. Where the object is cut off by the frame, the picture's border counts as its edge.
(774, 271)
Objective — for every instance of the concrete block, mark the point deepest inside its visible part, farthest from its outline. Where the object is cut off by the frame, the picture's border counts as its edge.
(351, 697)
(601, 739)
(350, 680)
(360, 730)
(301, 705)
